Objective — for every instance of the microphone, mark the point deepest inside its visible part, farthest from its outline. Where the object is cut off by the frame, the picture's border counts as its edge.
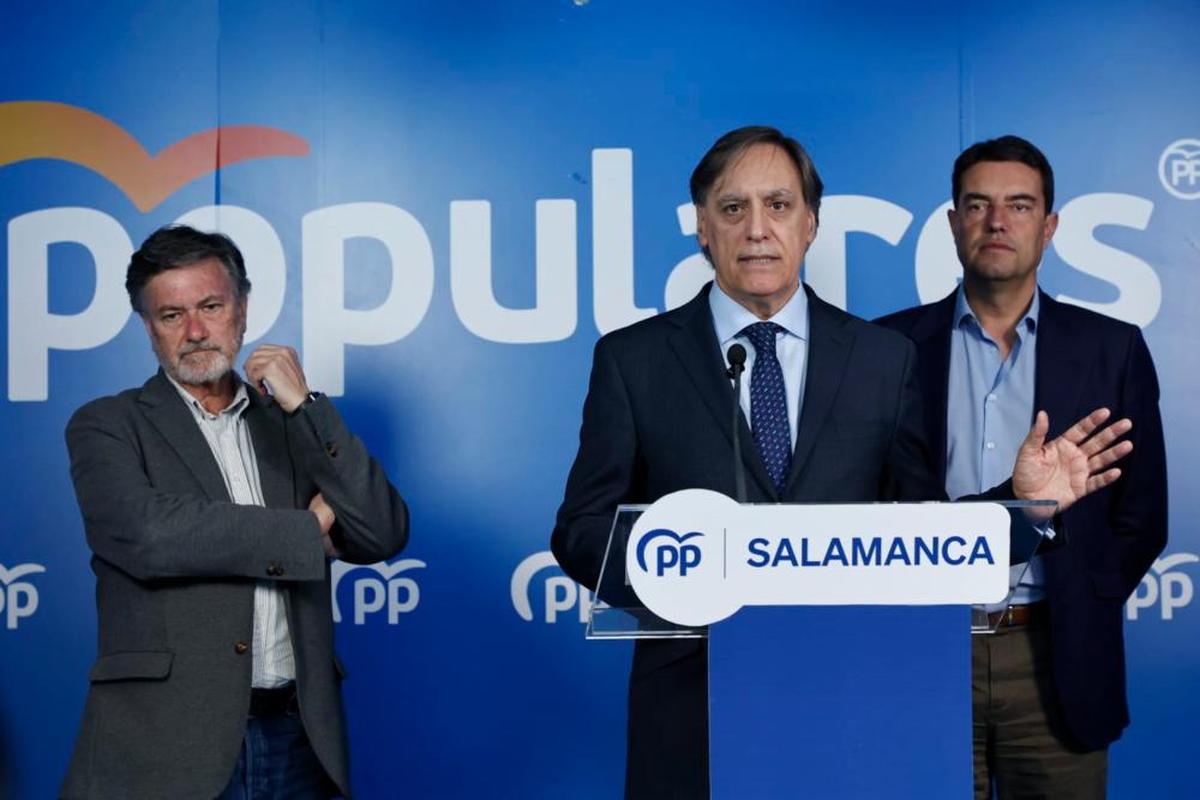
(737, 361)
(737, 365)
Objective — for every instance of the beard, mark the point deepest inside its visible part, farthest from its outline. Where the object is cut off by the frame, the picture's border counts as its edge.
(197, 364)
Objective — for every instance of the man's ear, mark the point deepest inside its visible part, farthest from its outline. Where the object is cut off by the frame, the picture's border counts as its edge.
(1049, 226)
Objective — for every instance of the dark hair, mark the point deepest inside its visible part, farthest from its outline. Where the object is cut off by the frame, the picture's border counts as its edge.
(1005, 148)
(174, 246)
(736, 142)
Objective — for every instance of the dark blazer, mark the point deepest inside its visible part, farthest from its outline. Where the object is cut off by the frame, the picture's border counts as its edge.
(176, 564)
(1084, 361)
(657, 419)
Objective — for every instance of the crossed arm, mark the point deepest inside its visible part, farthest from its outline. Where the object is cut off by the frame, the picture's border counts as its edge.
(143, 511)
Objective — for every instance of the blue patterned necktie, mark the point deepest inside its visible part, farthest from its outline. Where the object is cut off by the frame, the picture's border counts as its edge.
(768, 403)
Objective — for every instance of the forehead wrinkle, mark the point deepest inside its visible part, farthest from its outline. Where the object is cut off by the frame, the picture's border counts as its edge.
(176, 292)
(1013, 177)
(731, 195)
(736, 160)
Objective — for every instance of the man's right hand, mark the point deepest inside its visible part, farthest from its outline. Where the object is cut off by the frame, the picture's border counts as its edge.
(1073, 465)
(325, 518)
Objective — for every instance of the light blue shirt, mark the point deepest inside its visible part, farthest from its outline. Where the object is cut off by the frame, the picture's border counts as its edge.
(791, 346)
(989, 411)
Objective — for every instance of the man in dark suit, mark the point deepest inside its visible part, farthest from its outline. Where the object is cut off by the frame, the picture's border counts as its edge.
(212, 506)
(832, 402)
(1049, 689)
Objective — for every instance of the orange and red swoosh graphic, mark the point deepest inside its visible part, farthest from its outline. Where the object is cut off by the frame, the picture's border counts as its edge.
(38, 129)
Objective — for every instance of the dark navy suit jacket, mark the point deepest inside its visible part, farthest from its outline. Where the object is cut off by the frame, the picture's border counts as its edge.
(1084, 361)
(657, 419)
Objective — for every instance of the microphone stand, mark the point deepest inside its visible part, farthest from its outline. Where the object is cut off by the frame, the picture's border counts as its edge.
(737, 365)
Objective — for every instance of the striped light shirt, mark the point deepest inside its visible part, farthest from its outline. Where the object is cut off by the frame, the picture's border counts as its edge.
(228, 437)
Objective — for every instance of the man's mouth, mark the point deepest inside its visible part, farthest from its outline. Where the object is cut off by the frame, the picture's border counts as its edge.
(995, 245)
(194, 350)
(758, 260)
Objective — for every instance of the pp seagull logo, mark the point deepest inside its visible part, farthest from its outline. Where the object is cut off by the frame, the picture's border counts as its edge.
(399, 594)
(561, 594)
(39, 129)
(1179, 169)
(18, 599)
(680, 555)
(1165, 586)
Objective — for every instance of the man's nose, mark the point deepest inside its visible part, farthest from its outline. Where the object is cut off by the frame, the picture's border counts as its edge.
(196, 331)
(756, 223)
(997, 218)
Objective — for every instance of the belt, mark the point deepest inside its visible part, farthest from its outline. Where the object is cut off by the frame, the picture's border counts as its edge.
(272, 702)
(1019, 616)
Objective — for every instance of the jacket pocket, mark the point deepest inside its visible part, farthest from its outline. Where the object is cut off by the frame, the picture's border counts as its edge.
(144, 665)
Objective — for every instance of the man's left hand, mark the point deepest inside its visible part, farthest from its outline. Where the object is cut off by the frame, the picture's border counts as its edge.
(325, 518)
(1073, 465)
(276, 369)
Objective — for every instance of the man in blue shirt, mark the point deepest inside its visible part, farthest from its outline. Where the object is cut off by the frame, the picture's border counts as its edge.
(1049, 688)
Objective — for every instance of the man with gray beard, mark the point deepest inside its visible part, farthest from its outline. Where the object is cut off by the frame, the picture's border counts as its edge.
(212, 505)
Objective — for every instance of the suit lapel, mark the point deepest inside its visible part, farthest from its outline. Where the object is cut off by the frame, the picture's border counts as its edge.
(829, 347)
(699, 352)
(270, 451)
(1060, 369)
(168, 413)
(931, 334)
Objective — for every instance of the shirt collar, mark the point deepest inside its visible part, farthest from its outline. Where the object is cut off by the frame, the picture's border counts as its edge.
(963, 312)
(730, 317)
(236, 408)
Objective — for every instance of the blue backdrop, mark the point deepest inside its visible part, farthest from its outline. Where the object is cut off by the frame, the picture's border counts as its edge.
(443, 205)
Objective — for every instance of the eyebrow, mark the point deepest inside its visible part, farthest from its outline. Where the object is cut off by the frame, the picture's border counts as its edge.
(1008, 198)
(200, 302)
(770, 193)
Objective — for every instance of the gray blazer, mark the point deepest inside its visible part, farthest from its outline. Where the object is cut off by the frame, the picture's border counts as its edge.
(176, 562)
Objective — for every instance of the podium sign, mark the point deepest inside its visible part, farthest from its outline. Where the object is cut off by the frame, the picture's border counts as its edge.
(696, 556)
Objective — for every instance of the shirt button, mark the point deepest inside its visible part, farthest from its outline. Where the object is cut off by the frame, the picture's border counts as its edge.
(990, 445)
(240, 648)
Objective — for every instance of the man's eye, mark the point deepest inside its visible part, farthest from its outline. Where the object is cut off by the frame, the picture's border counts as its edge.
(212, 308)
(1022, 207)
(169, 318)
(779, 205)
(731, 208)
